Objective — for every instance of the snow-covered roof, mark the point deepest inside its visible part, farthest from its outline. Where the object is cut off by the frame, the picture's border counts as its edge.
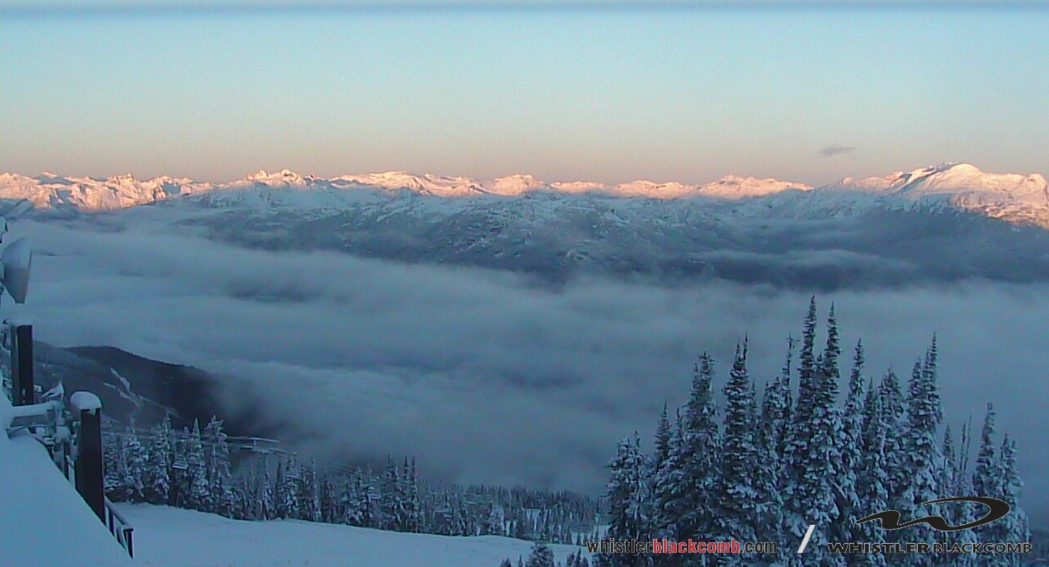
(85, 401)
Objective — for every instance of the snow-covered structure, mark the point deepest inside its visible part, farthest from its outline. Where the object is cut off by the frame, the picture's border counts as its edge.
(43, 521)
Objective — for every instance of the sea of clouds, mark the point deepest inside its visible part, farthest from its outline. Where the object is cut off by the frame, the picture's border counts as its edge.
(486, 376)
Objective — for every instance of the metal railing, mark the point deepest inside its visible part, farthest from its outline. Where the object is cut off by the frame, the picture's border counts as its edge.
(120, 527)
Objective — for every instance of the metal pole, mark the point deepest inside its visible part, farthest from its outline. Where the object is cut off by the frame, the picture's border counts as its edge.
(127, 539)
(88, 467)
(22, 364)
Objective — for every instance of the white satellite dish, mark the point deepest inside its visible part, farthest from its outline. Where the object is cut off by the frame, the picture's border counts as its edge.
(15, 263)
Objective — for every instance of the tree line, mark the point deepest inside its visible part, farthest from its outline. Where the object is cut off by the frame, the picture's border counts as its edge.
(765, 468)
(194, 469)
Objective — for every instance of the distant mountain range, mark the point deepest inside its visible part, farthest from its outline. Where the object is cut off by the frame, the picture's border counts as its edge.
(1012, 197)
(944, 223)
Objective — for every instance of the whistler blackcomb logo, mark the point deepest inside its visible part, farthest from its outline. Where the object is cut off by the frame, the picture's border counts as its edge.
(890, 519)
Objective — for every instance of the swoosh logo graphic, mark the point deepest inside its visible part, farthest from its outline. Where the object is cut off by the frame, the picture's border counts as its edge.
(890, 519)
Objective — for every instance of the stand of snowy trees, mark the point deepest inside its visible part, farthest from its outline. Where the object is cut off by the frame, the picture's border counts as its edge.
(765, 468)
(543, 556)
(194, 469)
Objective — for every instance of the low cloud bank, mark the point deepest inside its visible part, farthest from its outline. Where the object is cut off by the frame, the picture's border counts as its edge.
(487, 378)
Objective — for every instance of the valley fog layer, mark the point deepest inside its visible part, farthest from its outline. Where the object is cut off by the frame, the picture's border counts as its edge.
(486, 377)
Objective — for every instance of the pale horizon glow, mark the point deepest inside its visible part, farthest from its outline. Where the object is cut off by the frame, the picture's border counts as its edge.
(611, 96)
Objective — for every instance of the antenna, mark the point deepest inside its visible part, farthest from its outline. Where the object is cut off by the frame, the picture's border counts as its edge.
(15, 263)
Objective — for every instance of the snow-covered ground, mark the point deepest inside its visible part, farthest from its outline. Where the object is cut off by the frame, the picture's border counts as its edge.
(172, 537)
(43, 521)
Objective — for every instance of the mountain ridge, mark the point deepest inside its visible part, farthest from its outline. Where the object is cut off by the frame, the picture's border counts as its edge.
(950, 176)
(1012, 197)
(942, 223)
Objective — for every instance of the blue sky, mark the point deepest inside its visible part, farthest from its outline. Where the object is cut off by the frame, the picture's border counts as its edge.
(683, 93)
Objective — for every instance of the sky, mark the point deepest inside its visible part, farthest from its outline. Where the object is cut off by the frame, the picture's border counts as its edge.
(654, 90)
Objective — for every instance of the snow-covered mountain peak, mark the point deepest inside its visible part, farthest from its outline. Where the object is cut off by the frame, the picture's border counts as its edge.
(964, 180)
(735, 187)
(284, 176)
(125, 178)
(947, 175)
(171, 180)
(427, 184)
(515, 185)
(1009, 196)
(946, 178)
(579, 187)
(654, 190)
(7, 178)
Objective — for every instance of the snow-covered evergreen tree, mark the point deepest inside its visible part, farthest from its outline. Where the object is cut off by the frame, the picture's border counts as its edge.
(961, 513)
(666, 485)
(657, 468)
(181, 474)
(520, 526)
(775, 421)
(199, 496)
(267, 508)
(410, 509)
(806, 366)
(810, 492)
(986, 480)
(329, 501)
(872, 486)
(893, 415)
(391, 503)
(540, 556)
(1014, 527)
(851, 464)
(662, 441)
(494, 523)
(134, 467)
(219, 469)
(243, 498)
(286, 490)
(307, 493)
(924, 461)
(113, 472)
(691, 505)
(739, 483)
(358, 509)
(158, 465)
(627, 491)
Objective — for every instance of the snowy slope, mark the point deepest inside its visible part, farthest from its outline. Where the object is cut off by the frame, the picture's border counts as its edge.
(43, 521)
(173, 537)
